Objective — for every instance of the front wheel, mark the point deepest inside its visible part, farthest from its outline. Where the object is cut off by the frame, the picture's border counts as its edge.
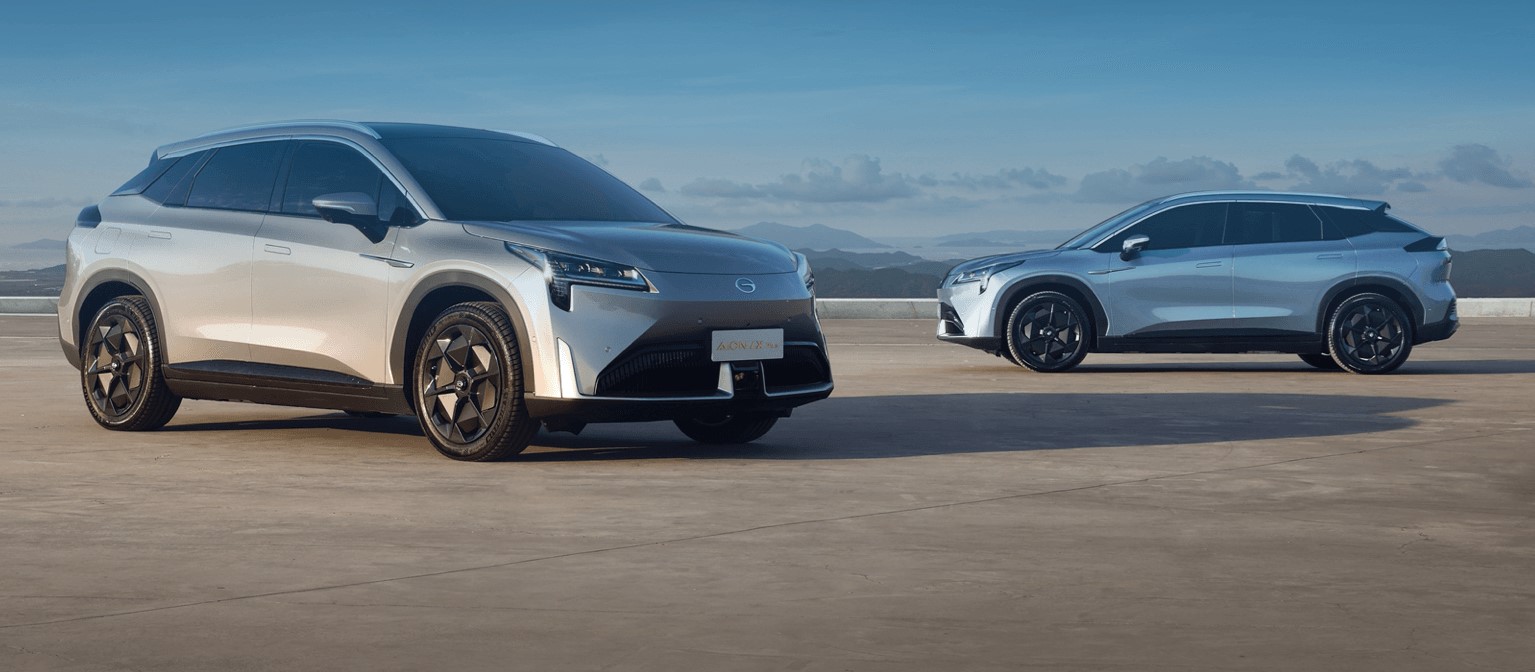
(744, 428)
(1048, 332)
(1370, 334)
(467, 384)
(120, 368)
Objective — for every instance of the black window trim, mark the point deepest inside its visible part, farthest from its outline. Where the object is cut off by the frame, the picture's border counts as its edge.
(275, 206)
(1102, 241)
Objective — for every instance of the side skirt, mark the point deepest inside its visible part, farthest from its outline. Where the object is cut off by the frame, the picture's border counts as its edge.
(1297, 344)
(283, 386)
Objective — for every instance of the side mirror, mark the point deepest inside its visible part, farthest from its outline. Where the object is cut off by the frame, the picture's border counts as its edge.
(1132, 247)
(349, 207)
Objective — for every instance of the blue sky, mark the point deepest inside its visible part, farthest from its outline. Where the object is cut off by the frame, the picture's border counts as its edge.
(886, 118)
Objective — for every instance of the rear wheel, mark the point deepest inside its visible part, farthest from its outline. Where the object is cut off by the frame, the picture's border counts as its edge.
(468, 385)
(744, 428)
(1321, 361)
(1048, 332)
(1370, 334)
(120, 368)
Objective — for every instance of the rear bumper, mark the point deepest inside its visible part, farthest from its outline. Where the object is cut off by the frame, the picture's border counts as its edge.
(1440, 330)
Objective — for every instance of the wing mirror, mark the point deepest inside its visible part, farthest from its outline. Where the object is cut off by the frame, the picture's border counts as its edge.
(346, 207)
(354, 208)
(1132, 247)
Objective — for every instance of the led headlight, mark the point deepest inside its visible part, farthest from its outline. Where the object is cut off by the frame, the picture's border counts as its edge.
(563, 270)
(980, 274)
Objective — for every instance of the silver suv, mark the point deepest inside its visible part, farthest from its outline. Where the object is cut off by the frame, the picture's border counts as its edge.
(1335, 280)
(488, 282)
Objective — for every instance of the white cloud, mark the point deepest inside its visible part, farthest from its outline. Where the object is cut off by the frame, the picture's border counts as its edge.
(858, 179)
(1479, 163)
(1350, 178)
(1160, 177)
(651, 184)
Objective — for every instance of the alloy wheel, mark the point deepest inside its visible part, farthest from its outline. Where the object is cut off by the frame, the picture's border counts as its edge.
(1051, 333)
(1371, 335)
(116, 372)
(461, 384)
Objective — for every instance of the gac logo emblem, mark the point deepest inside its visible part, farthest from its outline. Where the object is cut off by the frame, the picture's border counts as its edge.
(746, 285)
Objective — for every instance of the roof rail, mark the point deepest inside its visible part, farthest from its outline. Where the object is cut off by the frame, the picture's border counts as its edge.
(273, 125)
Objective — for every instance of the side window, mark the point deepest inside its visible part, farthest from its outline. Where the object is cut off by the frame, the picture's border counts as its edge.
(238, 177)
(161, 188)
(1197, 225)
(1351, 223)
(321, 168)
(147, 176)
(1255, 223)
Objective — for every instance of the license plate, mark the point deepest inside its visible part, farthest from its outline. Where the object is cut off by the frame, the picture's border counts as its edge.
(746, 344)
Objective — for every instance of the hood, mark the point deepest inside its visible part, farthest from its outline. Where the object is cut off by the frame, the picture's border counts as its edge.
(668, 248)
(980, 262)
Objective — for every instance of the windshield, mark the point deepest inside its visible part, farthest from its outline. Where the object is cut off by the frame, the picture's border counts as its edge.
(1105, 227)
(482, 179)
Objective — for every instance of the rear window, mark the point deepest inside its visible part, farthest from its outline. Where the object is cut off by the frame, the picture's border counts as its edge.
(507, 180)
(1351, 223)
(238, 177)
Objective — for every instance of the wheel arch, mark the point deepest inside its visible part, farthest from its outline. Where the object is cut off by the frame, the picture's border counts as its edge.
(1064, 284)
(96, 292)
(436, 293)
(1390, 288)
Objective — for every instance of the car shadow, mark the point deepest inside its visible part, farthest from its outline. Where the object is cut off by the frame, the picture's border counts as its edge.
(842, 428)
(1441, 367)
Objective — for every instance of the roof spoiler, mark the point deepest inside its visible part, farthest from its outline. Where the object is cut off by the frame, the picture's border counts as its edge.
(1382, 208)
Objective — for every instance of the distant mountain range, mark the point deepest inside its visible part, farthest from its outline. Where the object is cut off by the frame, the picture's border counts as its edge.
(41, 244)
(813, 237)
(1500, 239)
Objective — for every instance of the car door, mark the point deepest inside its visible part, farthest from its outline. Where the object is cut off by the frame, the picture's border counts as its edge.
(1179, 284)
(320, 288)
(197, 251)
(1283, 264)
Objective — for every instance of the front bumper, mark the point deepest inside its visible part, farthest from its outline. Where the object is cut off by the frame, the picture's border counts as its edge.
(741, 388)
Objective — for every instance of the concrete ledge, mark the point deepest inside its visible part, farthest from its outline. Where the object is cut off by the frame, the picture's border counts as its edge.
(876, 309)
(29, 304)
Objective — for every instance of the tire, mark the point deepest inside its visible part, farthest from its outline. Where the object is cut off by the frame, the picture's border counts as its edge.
(727, 429)
(1369, 334)
(120, 372)
(1321, 361)
(466, 382)
(369, 415)
(1048, 332)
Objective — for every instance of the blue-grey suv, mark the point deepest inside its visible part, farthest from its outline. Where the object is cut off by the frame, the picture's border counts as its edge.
(1335, 280)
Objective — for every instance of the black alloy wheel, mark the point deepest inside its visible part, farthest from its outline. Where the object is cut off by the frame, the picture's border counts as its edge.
(1370, 334)
(468, 391)
(120, 368)
(1048, 332)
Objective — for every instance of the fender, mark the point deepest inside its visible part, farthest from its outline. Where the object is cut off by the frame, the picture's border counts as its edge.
(436, 281)
(100, 278)
(1404, 292)
(1015, 291)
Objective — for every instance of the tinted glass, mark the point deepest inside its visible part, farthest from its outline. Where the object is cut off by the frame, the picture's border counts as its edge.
(239, 177)
(507, 180)
(137, 183)
(1351, 223)
(1182, 227)
(1104, 227)
(1255, 223)
(328, 168)
(174, 175)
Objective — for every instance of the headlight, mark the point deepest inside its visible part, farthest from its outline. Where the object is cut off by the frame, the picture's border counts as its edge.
(982, 274)
(563, 270)
(802, 263)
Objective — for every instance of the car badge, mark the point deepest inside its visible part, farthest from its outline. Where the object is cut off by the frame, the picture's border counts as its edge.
(746, 285)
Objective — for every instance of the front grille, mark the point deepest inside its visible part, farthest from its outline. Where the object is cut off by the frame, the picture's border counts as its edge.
(801, 366)
(674, 370)
(949, 318)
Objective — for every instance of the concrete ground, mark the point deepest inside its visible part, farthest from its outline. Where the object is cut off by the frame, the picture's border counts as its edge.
(942, 511)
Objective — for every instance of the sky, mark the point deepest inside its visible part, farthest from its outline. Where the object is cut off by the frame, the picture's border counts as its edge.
(886, 118)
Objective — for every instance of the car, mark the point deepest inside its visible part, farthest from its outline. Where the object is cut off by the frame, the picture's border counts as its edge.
(1335, 280)
(490, 283)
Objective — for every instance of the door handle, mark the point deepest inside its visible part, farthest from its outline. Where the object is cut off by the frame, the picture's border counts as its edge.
(1330, 255)
(276, 249)
(1209, 264)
